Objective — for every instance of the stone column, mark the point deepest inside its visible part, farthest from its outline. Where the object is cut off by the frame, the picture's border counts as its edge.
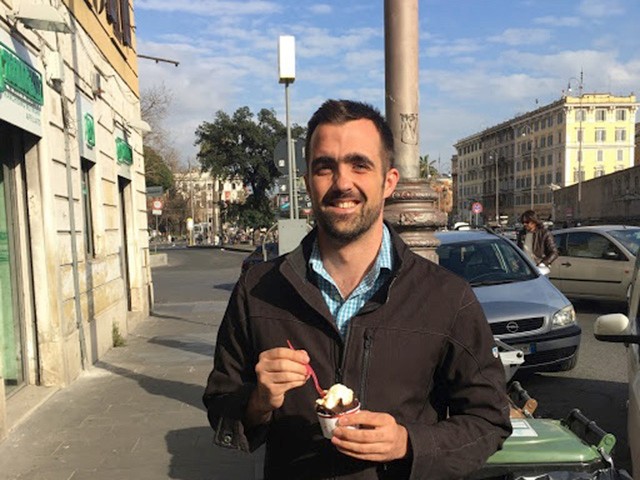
(412, 209)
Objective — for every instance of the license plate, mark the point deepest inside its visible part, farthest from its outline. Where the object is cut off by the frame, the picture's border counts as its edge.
(526, 348)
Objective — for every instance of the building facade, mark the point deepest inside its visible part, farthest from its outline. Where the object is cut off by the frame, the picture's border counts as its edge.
(205, 195)
(74, 265)
(516, 165)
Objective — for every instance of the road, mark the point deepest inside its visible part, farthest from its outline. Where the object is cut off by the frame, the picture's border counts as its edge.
(597, 386)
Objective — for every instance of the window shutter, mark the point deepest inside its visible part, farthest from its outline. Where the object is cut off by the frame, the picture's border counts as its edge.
(113, 17)
(126, 22)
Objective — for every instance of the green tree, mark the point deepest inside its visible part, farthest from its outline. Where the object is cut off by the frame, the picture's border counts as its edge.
(428, 167)
(241, 146)
(157, 172)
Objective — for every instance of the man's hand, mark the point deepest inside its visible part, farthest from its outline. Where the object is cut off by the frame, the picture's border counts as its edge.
(278, 371)
(377, 437)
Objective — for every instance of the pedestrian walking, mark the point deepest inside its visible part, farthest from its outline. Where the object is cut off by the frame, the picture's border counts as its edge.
(362, 310)
(536, 241)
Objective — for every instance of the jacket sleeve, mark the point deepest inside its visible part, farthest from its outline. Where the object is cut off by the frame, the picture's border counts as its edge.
(470, 381)
(550, 249)
(233, 379)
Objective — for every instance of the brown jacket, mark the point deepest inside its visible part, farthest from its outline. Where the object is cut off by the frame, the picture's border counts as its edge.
(544, 246)
(420, 349)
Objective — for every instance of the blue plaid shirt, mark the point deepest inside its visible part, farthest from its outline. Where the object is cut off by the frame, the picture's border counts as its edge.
(344, 309)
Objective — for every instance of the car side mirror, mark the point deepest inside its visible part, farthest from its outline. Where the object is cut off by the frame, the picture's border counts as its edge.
(614, 327)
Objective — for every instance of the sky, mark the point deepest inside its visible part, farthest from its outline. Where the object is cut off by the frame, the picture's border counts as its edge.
(481, 61)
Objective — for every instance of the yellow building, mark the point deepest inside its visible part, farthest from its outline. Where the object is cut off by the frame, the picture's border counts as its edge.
(534, 154)
(73, 226)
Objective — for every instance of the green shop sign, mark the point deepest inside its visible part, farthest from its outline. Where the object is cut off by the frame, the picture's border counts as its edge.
(19, 76)
(124, 153)
(89, 130)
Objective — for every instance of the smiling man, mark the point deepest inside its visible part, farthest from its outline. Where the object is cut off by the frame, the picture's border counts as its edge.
(406, 335)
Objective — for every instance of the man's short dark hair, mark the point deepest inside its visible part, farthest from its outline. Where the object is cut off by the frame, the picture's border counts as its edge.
(338, 112)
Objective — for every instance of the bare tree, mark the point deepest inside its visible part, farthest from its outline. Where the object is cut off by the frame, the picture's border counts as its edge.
(154, 105)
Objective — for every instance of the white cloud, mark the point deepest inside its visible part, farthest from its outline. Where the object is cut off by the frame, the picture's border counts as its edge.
(598, 8)
(450, 48)
(522, 36)
(558, 21)
(211, 7)
(321, 9)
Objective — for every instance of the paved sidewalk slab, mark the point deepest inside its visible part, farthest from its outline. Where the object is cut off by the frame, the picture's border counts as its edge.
(136, 414)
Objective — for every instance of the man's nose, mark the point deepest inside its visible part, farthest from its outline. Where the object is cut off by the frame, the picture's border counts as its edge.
(342, 178)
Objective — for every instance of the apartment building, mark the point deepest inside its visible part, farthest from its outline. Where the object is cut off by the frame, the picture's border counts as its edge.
(73, 227)
(205, 192)
(518, 164)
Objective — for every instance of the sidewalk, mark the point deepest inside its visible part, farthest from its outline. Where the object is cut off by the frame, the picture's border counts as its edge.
(137, 414)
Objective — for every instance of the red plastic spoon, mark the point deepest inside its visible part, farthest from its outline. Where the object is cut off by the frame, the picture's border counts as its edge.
(310, 371)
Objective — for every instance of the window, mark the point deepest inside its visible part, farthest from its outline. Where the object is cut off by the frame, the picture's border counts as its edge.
(591, 245)
(579, 134)
(599, 172)
(601, 135)
(621, 115)
(560, 118)
(621, 135)
(558, 178)
(550, 140)
(86, 166)
(576, 177)
(601, 114)
(118, 16)
(620, 155)
(600, 156)
(581, 115)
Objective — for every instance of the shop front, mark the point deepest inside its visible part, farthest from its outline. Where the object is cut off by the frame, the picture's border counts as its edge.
(21, 100)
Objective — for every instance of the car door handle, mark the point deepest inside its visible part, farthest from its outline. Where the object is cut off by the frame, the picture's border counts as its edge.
(566, 264)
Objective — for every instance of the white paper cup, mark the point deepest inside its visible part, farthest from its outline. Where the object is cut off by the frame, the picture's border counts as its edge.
(328, 422)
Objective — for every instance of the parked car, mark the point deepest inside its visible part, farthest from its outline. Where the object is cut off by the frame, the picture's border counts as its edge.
(522, 306)
(260, 255)
(625, 329)
(595, 262)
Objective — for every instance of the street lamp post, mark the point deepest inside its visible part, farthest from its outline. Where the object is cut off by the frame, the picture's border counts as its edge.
(580, 135)
(495, 157)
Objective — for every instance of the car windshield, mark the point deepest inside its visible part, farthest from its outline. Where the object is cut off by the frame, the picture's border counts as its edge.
(629, 237)
(485, 262)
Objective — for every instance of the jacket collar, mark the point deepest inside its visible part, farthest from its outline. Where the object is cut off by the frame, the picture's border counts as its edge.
(295, 268)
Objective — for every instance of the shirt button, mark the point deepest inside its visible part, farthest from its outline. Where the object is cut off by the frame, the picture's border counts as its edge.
(226, 440)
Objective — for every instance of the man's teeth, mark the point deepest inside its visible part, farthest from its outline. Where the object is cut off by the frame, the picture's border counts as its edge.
(346, 204)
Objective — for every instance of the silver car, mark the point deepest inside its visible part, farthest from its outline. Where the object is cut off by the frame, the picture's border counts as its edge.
(595, 262)
(522, 306)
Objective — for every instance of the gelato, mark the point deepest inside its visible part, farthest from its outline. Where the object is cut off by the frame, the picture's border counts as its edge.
(338, 401)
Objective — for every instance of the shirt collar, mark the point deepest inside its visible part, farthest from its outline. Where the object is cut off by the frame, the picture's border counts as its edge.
(384, 259)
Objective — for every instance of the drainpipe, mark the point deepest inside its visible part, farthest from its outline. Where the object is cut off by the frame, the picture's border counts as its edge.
(66, 121)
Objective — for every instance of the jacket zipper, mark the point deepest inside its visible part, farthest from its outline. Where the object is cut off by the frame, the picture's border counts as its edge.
(368, 341)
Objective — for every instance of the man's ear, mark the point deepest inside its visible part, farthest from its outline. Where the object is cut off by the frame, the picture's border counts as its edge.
(391, 180)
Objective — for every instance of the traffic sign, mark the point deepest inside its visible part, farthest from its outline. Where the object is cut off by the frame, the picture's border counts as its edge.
(157, 205)
(476, 207)
(280, 156)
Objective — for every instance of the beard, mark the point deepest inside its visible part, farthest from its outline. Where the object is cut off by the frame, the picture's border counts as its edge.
(345, 228)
